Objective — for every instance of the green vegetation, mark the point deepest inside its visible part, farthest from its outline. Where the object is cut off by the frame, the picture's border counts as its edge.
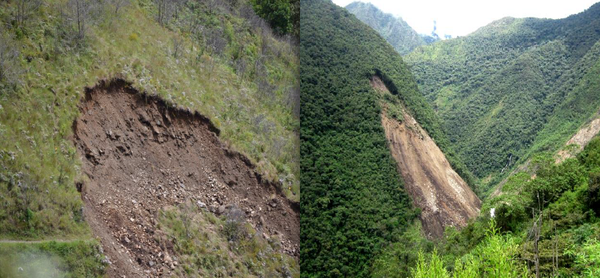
(496, 256)
(238, 75)
(282, 15)
(209, 246)
(551, 218)
(216, 57)
(51, 259)
(513, 88)
(353, 201)
(395, 30)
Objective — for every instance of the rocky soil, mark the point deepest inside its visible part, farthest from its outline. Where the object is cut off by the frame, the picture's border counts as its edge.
(444, 198)
(140, 154)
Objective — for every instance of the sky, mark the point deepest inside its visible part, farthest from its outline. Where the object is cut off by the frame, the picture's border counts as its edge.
(461, 17)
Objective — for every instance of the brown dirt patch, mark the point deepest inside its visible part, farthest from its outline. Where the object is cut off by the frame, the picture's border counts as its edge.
(580, 140)
(141, 155)
(444, 198)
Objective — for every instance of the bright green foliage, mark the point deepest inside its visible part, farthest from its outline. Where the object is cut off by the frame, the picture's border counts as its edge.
(496, 256)
(353, 200)
(394, 30)
(513, 88)
(432, 268)
(587, 258)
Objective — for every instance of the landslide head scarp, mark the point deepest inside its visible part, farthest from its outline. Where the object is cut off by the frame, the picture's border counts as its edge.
(444, 198)
(141, 155)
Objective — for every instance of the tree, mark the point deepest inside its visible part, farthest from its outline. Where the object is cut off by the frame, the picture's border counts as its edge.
(277, 12)
(9, 63)
(25, 8)
(80, 11)
(167, 9)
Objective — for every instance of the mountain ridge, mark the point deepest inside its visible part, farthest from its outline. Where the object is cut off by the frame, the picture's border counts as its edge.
(394, 29)
(506, 81)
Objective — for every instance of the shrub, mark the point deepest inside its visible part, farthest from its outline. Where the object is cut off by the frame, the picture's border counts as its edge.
(9, 63)
(592, 198)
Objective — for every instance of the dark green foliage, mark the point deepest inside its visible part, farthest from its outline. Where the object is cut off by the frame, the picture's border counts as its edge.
(590, 156)
(282, 15)
(592, 196)
(397, 258)
(395, 30)
(553, 180)
(513, 88)
(509, 217)
(353, 200)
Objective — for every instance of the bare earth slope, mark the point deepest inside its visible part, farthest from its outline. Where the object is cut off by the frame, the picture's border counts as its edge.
(441, 194)
(141, 155)
(580, 139)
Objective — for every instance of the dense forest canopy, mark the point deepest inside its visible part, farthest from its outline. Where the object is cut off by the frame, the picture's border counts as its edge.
(353, 200)
(513, 88)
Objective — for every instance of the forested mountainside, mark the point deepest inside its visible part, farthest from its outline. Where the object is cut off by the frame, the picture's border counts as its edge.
(216, 62)
(513, 88)
(544, 223)
(516, 91)
(353, 200)
(395, 30)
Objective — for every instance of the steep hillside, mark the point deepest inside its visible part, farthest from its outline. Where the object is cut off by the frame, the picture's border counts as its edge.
(513, 88)
(580, 139)
(444, 198)
(395, 30)
(138, 153)
(217, 57)
(354, 202)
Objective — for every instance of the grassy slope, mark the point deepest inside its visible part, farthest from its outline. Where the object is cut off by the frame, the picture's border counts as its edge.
(353, 202)
(38, 163)
(211, 246)
(498, 88)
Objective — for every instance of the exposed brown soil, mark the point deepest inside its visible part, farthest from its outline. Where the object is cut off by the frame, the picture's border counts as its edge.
(441, 194)
(141, 155)
(580, 139)
(583, 136)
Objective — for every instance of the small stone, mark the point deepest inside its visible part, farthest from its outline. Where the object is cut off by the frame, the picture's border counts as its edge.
(201, 204)
(221, 210)
(151, 263)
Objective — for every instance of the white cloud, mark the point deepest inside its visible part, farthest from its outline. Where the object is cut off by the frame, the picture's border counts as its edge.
(461, 17)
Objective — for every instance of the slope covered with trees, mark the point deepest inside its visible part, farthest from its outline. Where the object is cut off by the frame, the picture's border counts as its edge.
(542, 226)
(395, 30)
(353, 202)
(513, 88)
